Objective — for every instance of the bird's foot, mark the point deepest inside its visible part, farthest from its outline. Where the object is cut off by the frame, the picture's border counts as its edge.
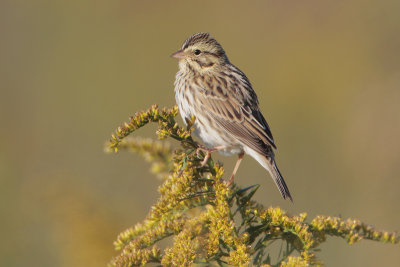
(205, 160)
(208, 152)
(230, 181)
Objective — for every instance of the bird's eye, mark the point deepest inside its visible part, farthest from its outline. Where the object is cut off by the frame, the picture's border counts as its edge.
(197, 52)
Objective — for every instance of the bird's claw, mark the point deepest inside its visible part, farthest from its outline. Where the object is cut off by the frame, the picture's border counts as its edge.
(230, 181)
(205, 150)
(206, 157)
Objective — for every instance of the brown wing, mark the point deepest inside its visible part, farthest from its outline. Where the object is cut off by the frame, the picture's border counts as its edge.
(234, 113)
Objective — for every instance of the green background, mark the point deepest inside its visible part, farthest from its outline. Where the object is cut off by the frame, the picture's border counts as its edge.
(327, 74)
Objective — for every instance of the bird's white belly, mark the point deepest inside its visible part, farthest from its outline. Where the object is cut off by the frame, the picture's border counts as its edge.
(211, 136)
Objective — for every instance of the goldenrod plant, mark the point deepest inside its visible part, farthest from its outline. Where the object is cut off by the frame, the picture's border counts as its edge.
(208, 222)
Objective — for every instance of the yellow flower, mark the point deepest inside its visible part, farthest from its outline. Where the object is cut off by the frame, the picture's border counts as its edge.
(209, 221)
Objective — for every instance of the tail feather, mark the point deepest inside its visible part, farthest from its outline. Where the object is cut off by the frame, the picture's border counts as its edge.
(280, 182)
(270, 165)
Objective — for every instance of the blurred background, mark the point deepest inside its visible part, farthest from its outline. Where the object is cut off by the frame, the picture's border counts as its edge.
(327, 74)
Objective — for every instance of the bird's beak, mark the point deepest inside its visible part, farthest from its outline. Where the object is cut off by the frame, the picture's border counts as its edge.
(178, 54)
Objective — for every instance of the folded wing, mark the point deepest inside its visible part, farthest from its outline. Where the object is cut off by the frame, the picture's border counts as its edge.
(238, 118)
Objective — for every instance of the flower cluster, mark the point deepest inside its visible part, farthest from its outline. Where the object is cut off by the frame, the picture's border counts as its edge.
(209, 222)
(353, 230)
(165, 118)
(158, 153)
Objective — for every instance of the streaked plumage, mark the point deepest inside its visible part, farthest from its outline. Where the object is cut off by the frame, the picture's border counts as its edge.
(224, 103)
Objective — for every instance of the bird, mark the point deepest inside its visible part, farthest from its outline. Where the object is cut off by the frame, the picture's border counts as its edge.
(225, 106)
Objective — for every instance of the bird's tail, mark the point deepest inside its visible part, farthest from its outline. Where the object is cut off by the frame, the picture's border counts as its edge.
(270, 165)
(279, 181)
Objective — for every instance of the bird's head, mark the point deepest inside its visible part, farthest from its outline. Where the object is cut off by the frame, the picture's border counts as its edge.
(200, 52)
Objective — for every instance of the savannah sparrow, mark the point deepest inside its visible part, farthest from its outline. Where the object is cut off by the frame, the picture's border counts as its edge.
(219, 95)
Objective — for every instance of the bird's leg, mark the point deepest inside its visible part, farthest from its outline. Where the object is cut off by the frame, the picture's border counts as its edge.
(229, 183)
(208, 152)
